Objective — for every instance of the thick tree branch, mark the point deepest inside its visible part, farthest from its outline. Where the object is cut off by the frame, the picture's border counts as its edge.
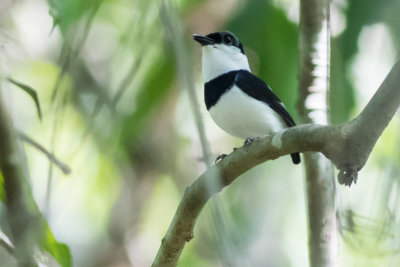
(362, 133)
(347, 146)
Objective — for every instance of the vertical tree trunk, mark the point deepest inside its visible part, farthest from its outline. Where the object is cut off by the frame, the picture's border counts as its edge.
(314, 50)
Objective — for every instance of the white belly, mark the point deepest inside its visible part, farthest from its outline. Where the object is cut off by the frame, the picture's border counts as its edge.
(242, 116)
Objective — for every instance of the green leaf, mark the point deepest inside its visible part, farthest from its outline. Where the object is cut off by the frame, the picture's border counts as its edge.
(59, 251)
(67, 13)
(31, 92)
(46, 240)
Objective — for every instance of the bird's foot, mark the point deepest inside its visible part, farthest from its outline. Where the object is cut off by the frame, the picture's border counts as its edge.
(248, 141)
(219, 158)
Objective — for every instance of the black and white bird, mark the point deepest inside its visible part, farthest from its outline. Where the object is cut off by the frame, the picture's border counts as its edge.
(239, 102)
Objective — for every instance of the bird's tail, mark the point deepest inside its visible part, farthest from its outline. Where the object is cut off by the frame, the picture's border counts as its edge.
(295, 158)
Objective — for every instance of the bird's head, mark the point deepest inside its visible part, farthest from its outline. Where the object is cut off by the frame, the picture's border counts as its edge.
(222, 52)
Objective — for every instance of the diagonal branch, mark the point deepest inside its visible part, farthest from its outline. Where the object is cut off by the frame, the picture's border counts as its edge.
(347, 145)
(360, 134)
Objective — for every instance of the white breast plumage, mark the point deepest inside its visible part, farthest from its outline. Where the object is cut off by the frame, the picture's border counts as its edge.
(243, 116)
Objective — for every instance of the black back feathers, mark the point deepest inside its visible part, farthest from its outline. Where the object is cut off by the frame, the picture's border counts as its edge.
(248, 83)
(258, 89)
(214, 89)
(253, 87)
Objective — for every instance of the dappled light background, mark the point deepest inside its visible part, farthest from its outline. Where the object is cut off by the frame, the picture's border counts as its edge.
(116, 81)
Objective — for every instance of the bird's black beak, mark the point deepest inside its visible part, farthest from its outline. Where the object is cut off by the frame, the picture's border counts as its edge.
(203, 40)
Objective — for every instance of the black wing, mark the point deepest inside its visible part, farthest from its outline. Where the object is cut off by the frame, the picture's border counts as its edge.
(258, 89)
(214, 89)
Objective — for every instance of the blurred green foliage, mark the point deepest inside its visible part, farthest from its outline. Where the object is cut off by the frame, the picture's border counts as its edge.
(67, 13)
(59, 251)
(358, 14)
(156, 84)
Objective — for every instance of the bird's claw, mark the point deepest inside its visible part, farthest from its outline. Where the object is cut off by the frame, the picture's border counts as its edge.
(220, 157)
(248, 141)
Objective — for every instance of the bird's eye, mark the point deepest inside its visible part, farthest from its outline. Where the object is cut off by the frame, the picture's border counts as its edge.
(228, 39)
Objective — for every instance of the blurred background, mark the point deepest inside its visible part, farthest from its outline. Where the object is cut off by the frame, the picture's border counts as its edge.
(119, 85)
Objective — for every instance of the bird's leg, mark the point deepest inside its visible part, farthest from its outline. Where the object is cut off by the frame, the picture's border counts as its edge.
(220, 157)
(248, 141)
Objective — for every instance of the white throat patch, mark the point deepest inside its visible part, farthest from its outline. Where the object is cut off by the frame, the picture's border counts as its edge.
(219, 59)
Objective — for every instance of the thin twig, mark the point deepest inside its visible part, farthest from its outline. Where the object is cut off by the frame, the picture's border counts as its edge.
(63, 167)
(186, 76)
(127, 80)
(71, 53)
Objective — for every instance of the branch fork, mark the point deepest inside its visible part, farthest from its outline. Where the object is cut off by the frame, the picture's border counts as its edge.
(347, 145)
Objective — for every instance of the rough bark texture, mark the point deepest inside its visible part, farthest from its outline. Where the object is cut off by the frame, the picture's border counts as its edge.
(347, 146)
(22, 213)
(314, 49)
(322, 230)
